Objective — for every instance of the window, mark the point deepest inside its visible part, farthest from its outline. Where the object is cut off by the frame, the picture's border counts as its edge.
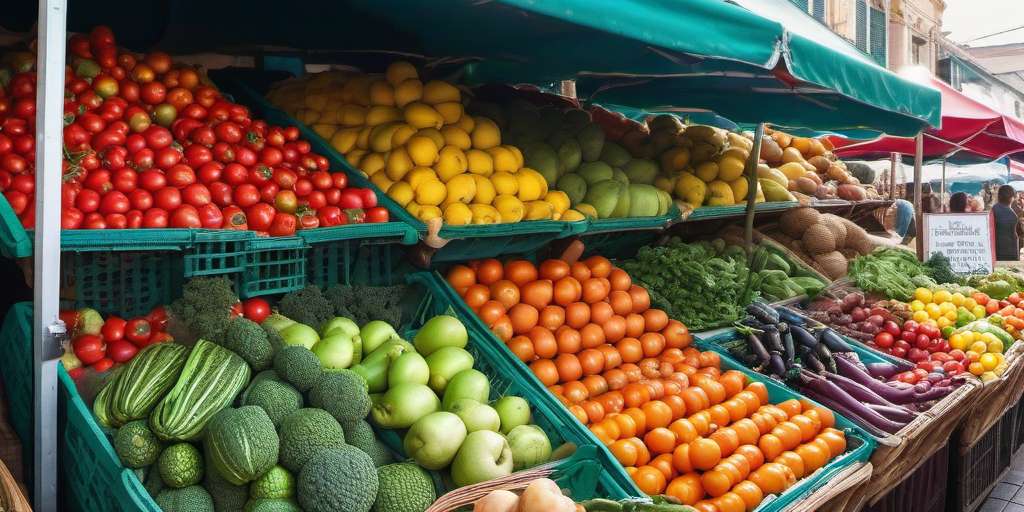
(877, 35)
(816, 8)
(918, 52)
(862, 25)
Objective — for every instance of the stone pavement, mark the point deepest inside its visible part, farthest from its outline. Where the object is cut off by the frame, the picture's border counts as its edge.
(1008, 494)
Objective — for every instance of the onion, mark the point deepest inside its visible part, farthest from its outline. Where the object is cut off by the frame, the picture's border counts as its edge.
(858, 314)
(876, 319)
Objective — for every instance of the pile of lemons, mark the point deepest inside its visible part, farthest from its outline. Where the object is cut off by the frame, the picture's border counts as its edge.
(415, 141)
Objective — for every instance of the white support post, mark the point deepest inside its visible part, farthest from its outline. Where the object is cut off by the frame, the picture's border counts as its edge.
(46, 275)
(918, 213)
(942, 193)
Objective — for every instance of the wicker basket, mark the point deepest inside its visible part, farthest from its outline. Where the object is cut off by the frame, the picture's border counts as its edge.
(11, 497)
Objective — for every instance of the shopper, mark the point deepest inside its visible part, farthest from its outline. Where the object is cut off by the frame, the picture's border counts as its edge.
(1008, 228)
(958, 202)
(898, 219)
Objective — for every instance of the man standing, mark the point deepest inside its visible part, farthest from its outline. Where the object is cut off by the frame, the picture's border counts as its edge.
(1008, 228)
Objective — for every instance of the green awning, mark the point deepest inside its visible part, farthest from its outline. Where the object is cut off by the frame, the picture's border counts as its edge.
(747, 60)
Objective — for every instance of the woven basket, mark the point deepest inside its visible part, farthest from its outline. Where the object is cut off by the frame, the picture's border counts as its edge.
(11, 497)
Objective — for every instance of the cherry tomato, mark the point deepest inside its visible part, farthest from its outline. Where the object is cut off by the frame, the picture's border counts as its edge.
(369, 197)
(223, 152)
(235, 174)
(113, 328)
(303, 187)
(185, 216)
(134, 219)
(88, 200)
(245, 156)
(210, 172)
(94, 220)
(180, 175)
(196, 195)
(256, 309)
(340, 180)
(17, 199)
(114, 202)
(116, 220)
(13, 163)
(220, 193)
(229, 132)
(165, 158)
(152, 180)
(71, 217)
(153, 93)
(197, 154)
(167, 198)
(260, 174)
(259, 216)
(88, 348)
(129, 89)
(143, 159)
(115, 158)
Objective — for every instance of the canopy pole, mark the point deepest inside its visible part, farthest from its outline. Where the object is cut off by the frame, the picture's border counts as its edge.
(892, 176)
(751, 170)
(49, 330)
(942, 191)
(918, 213)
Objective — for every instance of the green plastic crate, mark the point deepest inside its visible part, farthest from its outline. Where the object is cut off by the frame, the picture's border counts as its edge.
(16, 370)
(738, 210)
(273, 265)
(216, 253)
(354, 262)
(860, 445)
(15, 242)
(131, 283)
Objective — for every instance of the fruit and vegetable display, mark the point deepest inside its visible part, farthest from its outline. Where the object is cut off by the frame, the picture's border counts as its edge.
(543, 495)
(282, 415)
(822, 240)
(668, 413)
(1000, 284)
(893, 273)
(943, 334)
(882, 396)
(150, 143)
(812, 169)
(99, 343)
(416, 142)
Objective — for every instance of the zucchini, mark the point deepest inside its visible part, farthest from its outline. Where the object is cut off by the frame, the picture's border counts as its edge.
(211, 379)
(145, 380)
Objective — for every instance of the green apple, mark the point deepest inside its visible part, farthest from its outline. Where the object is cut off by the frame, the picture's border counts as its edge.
(484, 455)
(300, 334)
(278, 322)
(89, 321)
(434, 440)
(375, 333)
(513, 411)
(440, 331)
(403, 405)
(408, 368)
(475, 415)
(470, 383)
(444, 364)
(340, 325)
(335, 352)
(530, 446)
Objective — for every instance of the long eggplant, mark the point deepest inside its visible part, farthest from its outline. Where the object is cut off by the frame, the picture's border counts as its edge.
(790, 317)
(811, 361)
(803, 336)
(789, 348)
(772, 340)
(758, 348)
(857, 390)
(893, 395)
(894, 412)
(834, 341)
(882, 370)
(776, 365)
(763, 312)
(824, 387)
(837, 406)
(825, 355)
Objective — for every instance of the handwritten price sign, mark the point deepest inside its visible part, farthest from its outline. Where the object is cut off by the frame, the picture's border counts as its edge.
(967, 239)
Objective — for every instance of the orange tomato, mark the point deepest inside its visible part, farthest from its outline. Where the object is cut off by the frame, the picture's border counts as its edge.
(808, 427)
(795, 462)
(639, 418)
(568, 339)
(681, 458)
(716, 482)
(612, 402)
(751, 399)
(684, 430)
(523, 316)
(733, 380)
(490, 312)
(814, 454)
(828, 420)
(595, 384)
(614, 328)
(567, 290)
(737, 409)
(591, 361)
(746, 431)
(537, 293)
(773, 478)
(775, 411)
(594, 410)
(580, 271)
(675, 402)
(489, 271)
(615, 377)
(476, 295)
(622, 303)
(461, 277)
(630, 349)
(505, 292)
(686, 488)
(568, 366)
(705, 506)
(660, 440)
(719, 415)
(503, 328)
(710, 360)
(546, 371)
(643, 455)
(627, 427)
(612, 358)
(599, 266)
(551, 317)
(636, 395)
(753, 455)
(649, 480)
(658, 414)
(789, 433)
(575, 392)
(591, 336)
(601, 313)
(836, 441)
(771, 446)
(750, 493)
(729, 502)
(727, 440)
(633, 372)
(655, 320)
(544, 344)
(520, 272)
(522, 347)
(701, 421)
(663, 463)
(695, 398)
(625, 452)
(577, 314)
(634, 325)
(580, 414)
(554, 269)
(759, 389)
(791, 407)
(641, 300)
(704, 454)
(653, 344)
(714, 390)
(620, 280)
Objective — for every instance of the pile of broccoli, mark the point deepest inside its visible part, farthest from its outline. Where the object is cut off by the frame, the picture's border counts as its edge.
(205, 307)
(366, 303)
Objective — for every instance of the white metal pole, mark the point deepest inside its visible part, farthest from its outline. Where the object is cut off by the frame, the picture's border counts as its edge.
(918, 211)
(46, 276)
(942, 194)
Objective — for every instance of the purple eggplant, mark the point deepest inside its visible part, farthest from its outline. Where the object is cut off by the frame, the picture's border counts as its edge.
(852, 371)
(894, 412)
(825, 388)
(857, 390)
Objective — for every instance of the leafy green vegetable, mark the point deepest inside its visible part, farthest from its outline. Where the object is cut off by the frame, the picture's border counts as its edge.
(999, 284)
(889, 272)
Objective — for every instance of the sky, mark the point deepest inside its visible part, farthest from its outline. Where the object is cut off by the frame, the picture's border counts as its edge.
(967, 19)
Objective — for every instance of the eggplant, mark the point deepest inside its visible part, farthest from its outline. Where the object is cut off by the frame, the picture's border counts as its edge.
(763, 312)
(825, 355)
(834, 341)
(771, 339)
(790, 317)
(857, 390)
(826, 388)
(789, 348)
(882, 370)
(836, 406)
(757, 348)
(935, 393)
(803, 336)
(894, 412)
(776, 366)
(811, 361)
(893, 395)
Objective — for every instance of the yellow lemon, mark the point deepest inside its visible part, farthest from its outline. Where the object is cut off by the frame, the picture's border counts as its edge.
(941, 296)
(431, 193)
(530, 187)
(944, 322)
(413, 208)
(352, 115)
(466, 123)
(916, 305)
(455, 136)
(730, 168)
(504, 160)
(946, 307)
(422, 150)
(353, 156)
(325, 131)
(923, 295)
(408, 91)
(380, 114)
(920, 316)
(485, 134)
(539, 210)
(457, 214)
(957, 341)
(988, 337)
(572, 216)
(505, 183)
(380, 136)
(436, 91)
(968, 337)
(957, 299)
(451, 162)
(516, 153)
(707, 171)
(398, 164)
(950, 315)
(450, 111)
(510, 208)
(381, 180)
(969, 303)
(401, 192)
(427, 213)
(400, 71)
(461, 189)
(434, 134)
(316, 101)
(978, 311)
(401, 135)
(422, 116)
(381, 93)
(988, 361)
(480, 162)
(358, 90)
(417, 176)
(371, 163)
(558, 199)
(933, 310)
(363, 140)
(308, 116)
(484, 214)
(979, 346)
(586, 209)
(675, 159)
(344, 139)
(485, 192)
(996, 346)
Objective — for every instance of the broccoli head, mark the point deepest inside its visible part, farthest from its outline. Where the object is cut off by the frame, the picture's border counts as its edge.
(298, 366)
(342, 393)
(304, 434)
(274, 338)
(365, 303)
(338, 479)
(247, 339)
(205, 306)
(307, 306)
(360, 434)
(226, 495)
(278, 399)
(272, 505)
(186, 499)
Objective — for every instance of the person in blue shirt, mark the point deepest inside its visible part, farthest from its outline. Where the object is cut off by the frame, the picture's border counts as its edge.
(1007, 225)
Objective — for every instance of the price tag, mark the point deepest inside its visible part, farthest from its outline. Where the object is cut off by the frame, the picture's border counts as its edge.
(967, 239)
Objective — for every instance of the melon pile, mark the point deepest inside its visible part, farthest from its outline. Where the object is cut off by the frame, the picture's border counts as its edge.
(808, 166)
(824, 241)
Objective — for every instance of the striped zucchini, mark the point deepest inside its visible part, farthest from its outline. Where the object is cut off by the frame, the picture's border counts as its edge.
(145, 380)
(101, 406)
(211, 379)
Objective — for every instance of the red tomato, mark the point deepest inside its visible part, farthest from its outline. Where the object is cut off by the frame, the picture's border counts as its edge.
(340, 180)
(17, 200)
(220, 193)
(285, 178)
(138, 330)
(152, 180)
(884, 339)
(181, 175)
(167, 198)
(113, 328)
(98, 180)
(115, 158)
(321, 180)
(268, 191)
(303, 187)
(116, 220)
(143, 159)
(210, 172)
(235, 174)
(223, 152)
(107, 138)
(369, 197)
(103, 365)
(245, 156)
(114, 202)
(228, 131)
(260, 174)
(377, 214)
(285, 201)
(284, 224)
(316, 200)
(234, 218)
(270, 156)
(71, 217)
(153, 93)
(256, 309)
(88, 201)
(134, 218)
(350, 198)
(196, 195)
(166, 158)
(197, 154)
(157, 318)
(259, 216)
(332, 196)
(210, 216)
(330, 216)
(140, 199)
(155, 218)
(94, 221)
(246, 195)
(88, 348)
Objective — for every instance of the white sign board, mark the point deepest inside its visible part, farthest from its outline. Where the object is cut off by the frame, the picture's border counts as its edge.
(967, 239)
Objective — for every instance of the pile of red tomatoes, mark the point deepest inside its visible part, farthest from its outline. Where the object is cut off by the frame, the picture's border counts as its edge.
(150, 144)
